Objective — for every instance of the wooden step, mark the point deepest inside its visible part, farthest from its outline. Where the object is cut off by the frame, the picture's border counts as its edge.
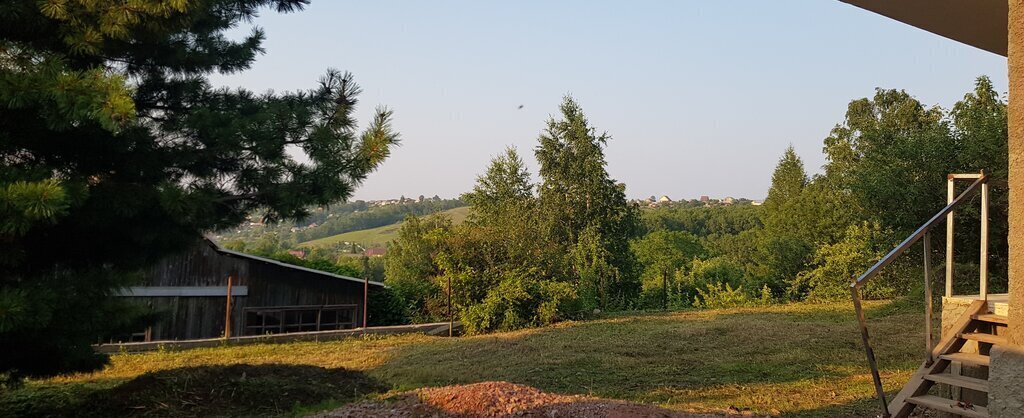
(992, 318)
(982, 337)
(968, 359)
(936, 403)
(959, 381)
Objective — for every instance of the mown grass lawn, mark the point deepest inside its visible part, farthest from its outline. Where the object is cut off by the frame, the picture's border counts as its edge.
(788, 360)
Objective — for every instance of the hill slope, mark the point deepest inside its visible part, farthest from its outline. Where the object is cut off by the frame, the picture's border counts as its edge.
(790, 360)
(379, 236)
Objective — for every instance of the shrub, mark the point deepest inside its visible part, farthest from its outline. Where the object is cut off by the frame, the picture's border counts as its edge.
(722, 296)
(518, 301)
(386, 307)
(711, 272)
(836, 265)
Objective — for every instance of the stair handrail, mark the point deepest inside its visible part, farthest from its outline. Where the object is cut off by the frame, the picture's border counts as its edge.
(980, 183)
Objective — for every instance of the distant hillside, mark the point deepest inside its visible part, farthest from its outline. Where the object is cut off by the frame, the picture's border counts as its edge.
(337, 219)
(379, 236)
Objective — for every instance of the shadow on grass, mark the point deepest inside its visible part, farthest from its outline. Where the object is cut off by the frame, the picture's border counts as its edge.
(805, 360)
(236, 390)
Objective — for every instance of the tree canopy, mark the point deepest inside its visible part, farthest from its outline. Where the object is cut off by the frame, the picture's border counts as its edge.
(117, 150)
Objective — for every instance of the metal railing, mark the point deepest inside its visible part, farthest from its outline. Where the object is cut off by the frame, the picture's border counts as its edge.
(946, 214)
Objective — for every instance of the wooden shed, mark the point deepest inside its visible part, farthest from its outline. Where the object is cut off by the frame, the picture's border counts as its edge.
(191, 291)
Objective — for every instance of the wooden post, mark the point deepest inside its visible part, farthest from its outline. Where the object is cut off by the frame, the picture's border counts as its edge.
(366, 299)
(983, 263)
(451, 322)
(227, 311)
(950, 190)
(868, 351)
(928, 299)
(664, 290)
(366, 290)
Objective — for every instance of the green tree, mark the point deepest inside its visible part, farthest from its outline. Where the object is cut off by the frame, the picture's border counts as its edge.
(118, 151)
(836, 265)
(584, 211)
(410, 267)
(788, 180)
(784, 250)
(505, 186)
(662, 254)
(980, 128)
(892, 154)
(502, 221)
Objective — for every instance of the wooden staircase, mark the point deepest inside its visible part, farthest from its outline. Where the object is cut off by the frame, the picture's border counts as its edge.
(975, 328)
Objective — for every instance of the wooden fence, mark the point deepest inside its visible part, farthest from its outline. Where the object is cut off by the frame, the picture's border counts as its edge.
(437, 328)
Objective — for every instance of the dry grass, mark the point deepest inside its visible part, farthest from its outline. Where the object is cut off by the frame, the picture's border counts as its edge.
(791, 360)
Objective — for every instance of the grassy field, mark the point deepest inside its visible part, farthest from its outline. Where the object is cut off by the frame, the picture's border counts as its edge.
(790, 360)
(380, 236)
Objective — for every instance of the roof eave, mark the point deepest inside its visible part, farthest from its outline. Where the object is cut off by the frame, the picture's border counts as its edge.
(982, 24)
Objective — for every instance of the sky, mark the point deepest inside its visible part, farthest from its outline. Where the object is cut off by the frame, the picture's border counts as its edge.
(700, 98)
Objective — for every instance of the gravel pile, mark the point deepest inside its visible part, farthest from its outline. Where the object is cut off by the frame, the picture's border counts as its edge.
(498, 399)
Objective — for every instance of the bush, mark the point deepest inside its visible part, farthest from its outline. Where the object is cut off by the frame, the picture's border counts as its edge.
(386, 308)
(518, 301)
(711, 272)
(837, 265)
(719, 296)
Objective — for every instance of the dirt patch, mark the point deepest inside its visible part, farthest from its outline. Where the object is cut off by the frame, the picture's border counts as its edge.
(498, 399)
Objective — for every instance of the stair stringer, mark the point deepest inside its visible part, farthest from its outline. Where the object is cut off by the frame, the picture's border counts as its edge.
(918, 385)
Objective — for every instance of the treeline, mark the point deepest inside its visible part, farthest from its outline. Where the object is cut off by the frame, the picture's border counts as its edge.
(885, 175)
(371, 217)
(529, 254)
(571, 245)
(338, 219)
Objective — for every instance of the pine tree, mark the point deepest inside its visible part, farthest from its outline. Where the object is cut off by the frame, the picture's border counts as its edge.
(584, 210)
(788, 180)
(117, 151)
(785, 244)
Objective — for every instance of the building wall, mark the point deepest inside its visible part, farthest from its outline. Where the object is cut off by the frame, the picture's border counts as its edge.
(1015, 55)
(1006, 399)
(269, 285)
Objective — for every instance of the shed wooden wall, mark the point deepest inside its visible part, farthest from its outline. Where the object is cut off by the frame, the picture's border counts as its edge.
(268, 284)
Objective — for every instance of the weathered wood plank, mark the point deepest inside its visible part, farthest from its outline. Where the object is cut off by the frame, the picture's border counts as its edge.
(187, 291)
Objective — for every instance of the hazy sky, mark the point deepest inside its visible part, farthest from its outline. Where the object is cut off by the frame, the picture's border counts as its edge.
(699, 97)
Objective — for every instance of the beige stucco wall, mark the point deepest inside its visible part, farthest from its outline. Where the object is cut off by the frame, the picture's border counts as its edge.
(1006, 374)
(1016, 150)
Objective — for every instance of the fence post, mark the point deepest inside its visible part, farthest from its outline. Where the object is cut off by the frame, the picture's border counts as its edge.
(227, 312)
(451, 322)
(928, 299)
(870, 353)
(950, 190)
(983, 263)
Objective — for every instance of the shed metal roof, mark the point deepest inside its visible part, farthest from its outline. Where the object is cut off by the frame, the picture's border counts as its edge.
(231, 253)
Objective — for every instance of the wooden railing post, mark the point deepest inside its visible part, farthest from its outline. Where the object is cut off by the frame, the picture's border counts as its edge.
(227, 311)
(875, 376)
(983, 263)
(924, 232)
(950, 194)
(928, 299)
